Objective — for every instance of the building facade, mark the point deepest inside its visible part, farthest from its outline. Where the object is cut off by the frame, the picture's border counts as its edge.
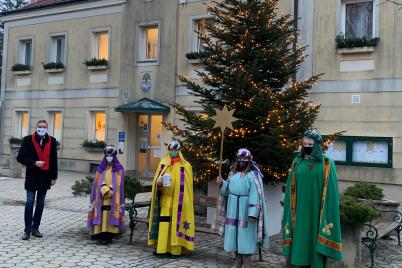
(77, 100)
(145, 43)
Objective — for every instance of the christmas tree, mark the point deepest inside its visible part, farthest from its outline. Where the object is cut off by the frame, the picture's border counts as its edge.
(250, 62)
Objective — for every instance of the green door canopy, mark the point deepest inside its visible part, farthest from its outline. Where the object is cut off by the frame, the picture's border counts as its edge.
(144, 105)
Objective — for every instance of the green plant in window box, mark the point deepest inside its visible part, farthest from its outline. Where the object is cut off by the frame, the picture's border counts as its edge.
(194, 55)
(93, 144)
(52, 65)
(352, 42)
(96, 62)
(18, 67)
(15, 141)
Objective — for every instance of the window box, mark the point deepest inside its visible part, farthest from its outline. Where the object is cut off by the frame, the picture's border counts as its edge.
(22, 72)
(96, 64)
(15, 142)
(194, 61)
(100, 67)
(355, 50)
(362, 151)
(93, 149)
(21, 69)
(60, 70)
(94, 146)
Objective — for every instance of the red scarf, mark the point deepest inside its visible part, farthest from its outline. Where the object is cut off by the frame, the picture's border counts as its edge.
(43, 155)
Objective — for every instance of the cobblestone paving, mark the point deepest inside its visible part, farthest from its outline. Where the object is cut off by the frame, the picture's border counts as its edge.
(66, 242)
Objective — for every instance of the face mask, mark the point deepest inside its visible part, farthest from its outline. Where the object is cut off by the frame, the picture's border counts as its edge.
(174, 153)
(241, 165)
(41, 131)
(109, 159)
(308, 150)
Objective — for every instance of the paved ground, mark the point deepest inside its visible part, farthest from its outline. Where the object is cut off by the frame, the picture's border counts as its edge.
(66, 242)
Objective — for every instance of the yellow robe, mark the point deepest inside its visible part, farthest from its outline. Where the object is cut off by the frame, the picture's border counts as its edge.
(107, 195)
(178, 232)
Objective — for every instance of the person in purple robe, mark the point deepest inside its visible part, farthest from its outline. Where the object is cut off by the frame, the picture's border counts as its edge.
(106, 209)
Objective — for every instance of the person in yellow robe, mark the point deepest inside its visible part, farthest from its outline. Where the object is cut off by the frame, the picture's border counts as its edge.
(106, 211)
(171, 220)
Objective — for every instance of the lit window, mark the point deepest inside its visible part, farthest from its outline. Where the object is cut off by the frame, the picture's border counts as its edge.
(56, 125)
(198, 30)
(100, 126)
(57, 49)
(22, 124)
(149, 43)
(25, 52)
(100, 45)
(358, 18)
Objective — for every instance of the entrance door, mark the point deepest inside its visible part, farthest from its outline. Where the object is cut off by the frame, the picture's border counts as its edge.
(149, 136)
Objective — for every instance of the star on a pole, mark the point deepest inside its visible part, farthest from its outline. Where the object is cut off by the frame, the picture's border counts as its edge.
(224, 118)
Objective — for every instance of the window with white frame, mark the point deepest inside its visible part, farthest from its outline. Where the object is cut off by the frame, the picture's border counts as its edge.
(149, 43)
(100, 45)
(56, 124)
(198, 30)
(25, 51)
(21, 128)
(97, 125)
(57, 48)
(358, 18)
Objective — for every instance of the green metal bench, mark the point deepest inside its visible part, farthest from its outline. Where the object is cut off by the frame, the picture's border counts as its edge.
(377, 230)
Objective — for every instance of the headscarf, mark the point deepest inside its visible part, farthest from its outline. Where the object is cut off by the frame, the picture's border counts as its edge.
(116, 165)
(174, 145)
(317, 150)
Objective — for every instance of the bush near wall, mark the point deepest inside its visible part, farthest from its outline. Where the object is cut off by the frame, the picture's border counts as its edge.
(83, 187)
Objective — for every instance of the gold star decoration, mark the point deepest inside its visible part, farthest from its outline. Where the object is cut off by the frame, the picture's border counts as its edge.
(224, 118)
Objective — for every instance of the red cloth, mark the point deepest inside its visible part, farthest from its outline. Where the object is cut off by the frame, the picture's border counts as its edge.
(43, 155)
(175, 160)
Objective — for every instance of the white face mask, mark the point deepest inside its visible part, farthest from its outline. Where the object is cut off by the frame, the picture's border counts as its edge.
(109, 159)
(41, 131)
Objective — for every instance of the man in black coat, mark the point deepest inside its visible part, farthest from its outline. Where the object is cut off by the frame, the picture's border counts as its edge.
(38, 153)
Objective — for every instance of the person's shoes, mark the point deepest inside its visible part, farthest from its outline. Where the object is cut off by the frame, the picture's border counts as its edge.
(159, 255)
(25, 236)
(36, 233)
(172, 256)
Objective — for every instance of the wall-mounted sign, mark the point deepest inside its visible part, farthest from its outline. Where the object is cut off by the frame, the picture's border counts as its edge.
(146, 81)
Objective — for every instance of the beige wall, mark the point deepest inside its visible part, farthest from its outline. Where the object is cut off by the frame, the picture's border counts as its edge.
(78, 96)
(79, 32)
(379, 114)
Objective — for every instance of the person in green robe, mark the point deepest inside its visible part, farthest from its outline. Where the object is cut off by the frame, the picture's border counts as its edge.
(311, 229)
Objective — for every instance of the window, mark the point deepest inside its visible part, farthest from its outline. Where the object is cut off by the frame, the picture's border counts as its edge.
(57, 49)
(362, 151)
(198, 29)
(358, 18)
(149, 43)
(25, 52)
(56, 124)
(100, 45)
(21, 124)
(97, 126)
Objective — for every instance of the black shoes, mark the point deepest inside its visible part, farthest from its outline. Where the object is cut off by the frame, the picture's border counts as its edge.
(37, 234)
(25, 236)
(160, 255)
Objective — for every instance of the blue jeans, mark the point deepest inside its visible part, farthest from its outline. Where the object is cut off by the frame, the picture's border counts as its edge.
(33, 224)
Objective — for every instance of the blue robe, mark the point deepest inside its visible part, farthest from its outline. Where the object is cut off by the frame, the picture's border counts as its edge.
(240, 233)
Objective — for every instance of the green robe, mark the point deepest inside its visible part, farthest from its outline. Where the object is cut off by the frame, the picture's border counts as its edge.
(311, 227)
